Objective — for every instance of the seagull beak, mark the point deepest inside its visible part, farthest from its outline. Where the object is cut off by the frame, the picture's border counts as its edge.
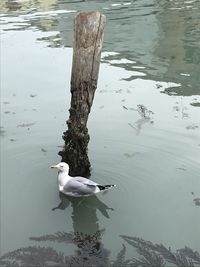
(53, 167)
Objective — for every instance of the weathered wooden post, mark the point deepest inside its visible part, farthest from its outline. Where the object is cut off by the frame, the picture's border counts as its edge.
(88, 38)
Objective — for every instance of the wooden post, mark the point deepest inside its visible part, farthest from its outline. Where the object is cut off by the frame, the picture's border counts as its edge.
(88, 38)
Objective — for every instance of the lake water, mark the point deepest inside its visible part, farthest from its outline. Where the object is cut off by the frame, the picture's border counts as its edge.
(144, 128)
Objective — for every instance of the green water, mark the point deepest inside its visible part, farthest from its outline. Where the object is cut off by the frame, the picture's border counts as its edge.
(151, 57)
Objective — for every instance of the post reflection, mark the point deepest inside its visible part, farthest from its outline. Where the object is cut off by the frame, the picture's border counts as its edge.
(84, 215)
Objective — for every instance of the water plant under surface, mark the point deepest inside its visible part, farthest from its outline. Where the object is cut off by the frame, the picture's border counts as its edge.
(91, 252)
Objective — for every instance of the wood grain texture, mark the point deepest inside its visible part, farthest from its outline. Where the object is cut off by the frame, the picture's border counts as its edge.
(88, 39)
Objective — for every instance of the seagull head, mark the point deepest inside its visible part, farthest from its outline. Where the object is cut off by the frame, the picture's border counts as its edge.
(62, 166)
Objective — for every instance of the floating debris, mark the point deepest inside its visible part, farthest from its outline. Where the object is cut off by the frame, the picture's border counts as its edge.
(195, 104)
(182, 169)
(143, 111)
(185, 74)
(31, 95)
(7, 112)
(145, 118)
(2, 132)
(6, 103)
(118, 91)
(197, 201)
(26, 124)
(12, 140)
(176, 108)
(104, 91)
(131, 155)
(43, 150)
(133, 109)
(131, 125)
(158, 85)
(192, 127)
(125, 107)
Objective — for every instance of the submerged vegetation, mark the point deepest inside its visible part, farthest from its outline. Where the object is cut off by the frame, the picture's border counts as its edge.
(91, 252)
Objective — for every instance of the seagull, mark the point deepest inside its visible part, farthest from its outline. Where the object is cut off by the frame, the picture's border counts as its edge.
(77, 186)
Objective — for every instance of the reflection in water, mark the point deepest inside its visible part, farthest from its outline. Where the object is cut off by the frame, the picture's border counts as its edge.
(86, 236)
(159, 52)
(92, 253)
(84, 215)
(178, 46)
(162, 50)
(90, 249)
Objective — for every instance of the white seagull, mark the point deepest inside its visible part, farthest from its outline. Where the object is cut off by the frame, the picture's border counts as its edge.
(77, 186)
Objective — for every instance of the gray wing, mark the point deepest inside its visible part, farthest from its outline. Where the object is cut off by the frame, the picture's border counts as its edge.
(85, 181)
(80, 186)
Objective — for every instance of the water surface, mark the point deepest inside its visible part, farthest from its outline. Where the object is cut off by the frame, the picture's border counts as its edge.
(144, 124)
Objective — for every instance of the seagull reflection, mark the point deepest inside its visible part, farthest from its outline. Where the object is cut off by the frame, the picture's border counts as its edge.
(84, 215)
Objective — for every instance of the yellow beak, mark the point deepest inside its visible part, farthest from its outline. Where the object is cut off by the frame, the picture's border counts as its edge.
(53, 166)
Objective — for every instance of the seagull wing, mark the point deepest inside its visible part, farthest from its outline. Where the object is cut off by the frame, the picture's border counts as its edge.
(80, 186)
(85, 181)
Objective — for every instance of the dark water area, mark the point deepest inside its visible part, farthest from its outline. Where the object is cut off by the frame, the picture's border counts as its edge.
(144, 136)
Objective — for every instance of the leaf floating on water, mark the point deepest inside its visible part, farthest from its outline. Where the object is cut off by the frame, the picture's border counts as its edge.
(43, 150)
(125, 107)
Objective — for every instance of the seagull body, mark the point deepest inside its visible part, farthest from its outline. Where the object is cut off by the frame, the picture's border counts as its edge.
(76, 186)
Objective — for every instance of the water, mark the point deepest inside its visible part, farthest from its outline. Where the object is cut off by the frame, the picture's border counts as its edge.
(150, 59)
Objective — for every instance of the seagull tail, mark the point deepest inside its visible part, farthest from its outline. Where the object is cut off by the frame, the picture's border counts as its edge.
(105, 187)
